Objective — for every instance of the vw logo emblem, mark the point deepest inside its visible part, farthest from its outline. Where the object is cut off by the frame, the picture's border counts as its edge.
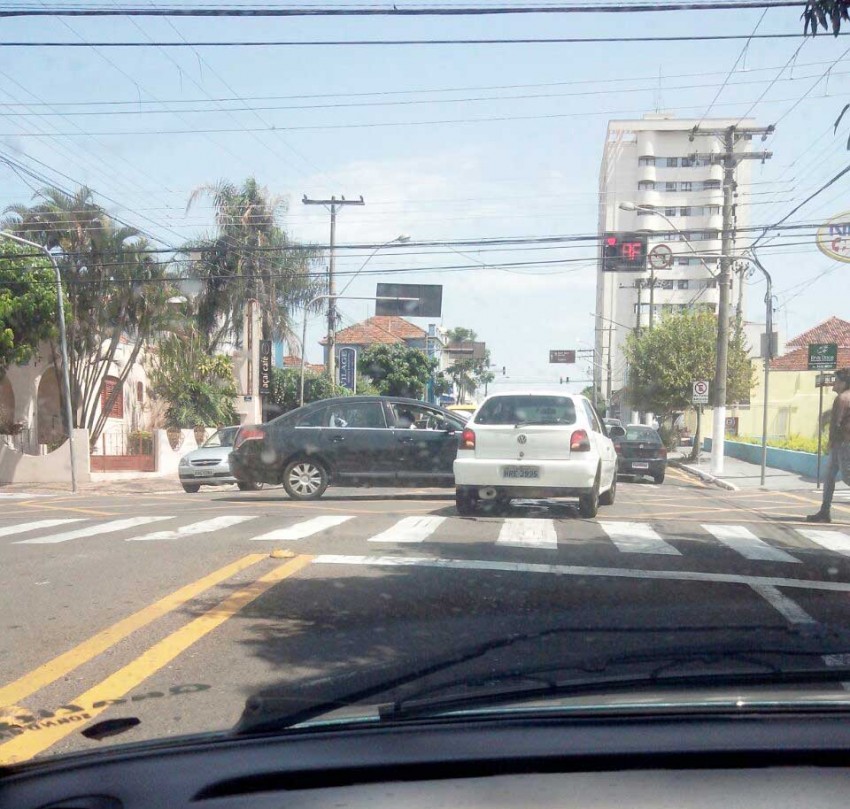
(521, 439)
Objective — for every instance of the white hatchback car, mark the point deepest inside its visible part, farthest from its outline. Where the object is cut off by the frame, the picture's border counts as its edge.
(535, 444)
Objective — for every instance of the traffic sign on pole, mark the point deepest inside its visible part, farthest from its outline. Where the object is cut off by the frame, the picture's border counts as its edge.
(700, 392)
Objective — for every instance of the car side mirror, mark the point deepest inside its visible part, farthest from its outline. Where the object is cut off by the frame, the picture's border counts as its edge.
(616, 432)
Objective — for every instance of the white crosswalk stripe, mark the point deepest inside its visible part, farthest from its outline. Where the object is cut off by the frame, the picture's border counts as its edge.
(193, 529)
(743, 541)
(831, 540)
(528, 533)
(304, 529)
(410, 529)
(637, 537)
(23, 528)
(91, 530)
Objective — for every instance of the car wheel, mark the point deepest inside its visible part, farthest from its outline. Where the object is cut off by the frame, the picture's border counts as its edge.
(607, 498)
(588, 504)
(305, 479)
(192, 488)
(249, 487)
(659, 479)
(466, 501)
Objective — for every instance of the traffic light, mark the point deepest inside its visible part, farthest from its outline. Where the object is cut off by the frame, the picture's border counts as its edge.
(623, 252)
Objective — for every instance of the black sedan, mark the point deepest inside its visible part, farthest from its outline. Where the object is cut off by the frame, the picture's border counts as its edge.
(641, 452)
(350, 441)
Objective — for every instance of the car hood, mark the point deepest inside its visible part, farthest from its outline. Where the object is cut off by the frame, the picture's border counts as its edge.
(208, 453)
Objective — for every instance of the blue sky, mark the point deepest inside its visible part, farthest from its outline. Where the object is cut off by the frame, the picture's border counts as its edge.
(441, 171)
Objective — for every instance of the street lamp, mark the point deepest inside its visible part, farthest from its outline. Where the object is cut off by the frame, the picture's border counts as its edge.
(304, 327)
(403, 239)
(63, 343)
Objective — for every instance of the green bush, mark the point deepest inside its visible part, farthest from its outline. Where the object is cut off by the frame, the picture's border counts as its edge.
(796, 442)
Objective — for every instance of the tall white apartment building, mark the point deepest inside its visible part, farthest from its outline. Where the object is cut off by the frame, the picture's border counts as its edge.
(660, 166)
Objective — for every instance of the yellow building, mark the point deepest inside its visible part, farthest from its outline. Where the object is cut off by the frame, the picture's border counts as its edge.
(792, 397)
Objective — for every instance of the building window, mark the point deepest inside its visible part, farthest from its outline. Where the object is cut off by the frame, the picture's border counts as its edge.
(681, 284)
(712, 210)
(686, 162)
(667, 283)
(140, 392)
(672, 162)
(646, 160)
(711, 284)
(686, 211)
(708, 185)
(107, 386)
(646, 210)
(670, 186)
(646, 185)
(686, 186)
(670, 211)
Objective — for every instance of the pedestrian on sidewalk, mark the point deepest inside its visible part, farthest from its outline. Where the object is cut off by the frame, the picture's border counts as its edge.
(839, 445)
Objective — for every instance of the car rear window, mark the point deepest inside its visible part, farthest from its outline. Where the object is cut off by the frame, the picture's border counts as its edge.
(527, 410)
(645, 434)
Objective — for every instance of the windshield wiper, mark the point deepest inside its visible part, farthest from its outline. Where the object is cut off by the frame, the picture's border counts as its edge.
(281, 708)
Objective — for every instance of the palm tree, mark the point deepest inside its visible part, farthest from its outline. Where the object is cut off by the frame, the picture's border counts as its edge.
(249, 257)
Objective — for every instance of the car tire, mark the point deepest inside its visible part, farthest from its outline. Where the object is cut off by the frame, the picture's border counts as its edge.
(466, 501)
(305, 479)
(588, 504)
(659, 479)
(192, 488)
(244, 486)
(607, 498)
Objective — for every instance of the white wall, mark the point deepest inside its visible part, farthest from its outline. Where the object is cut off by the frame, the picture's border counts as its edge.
(55, 467)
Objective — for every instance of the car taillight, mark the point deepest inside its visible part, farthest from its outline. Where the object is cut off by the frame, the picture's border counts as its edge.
(467, 439)
(663, 452)
(618, 449)
(580, 442)
(248, 434)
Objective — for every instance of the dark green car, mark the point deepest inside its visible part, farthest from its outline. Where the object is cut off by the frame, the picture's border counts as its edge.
(641, 452)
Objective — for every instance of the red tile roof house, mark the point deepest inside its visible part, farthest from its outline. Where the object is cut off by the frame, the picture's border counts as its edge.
(386, 329)
(796, 358)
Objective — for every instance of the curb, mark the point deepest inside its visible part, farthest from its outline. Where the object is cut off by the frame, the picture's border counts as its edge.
(705, 476)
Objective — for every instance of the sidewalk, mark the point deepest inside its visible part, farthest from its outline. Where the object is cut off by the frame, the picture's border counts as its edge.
(744, 475)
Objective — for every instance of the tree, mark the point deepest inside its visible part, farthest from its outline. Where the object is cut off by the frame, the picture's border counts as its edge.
(665, 361)
(117, 295)
(27, 304)
(825, 14)
(249, 257)
(397, 370)
(286, 388)
(467, 373)
(198, 389)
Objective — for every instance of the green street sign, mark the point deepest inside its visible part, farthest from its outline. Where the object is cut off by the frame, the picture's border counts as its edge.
(823, 356)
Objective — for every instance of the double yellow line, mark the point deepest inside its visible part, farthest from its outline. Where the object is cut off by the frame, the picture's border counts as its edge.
(28, 744)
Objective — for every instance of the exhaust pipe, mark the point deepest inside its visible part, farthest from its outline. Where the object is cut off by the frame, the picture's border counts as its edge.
(487, 493)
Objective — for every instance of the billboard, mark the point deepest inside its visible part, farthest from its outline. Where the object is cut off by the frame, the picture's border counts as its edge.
(265, 380)
(347, 364)
(428, 300)
(833, 238)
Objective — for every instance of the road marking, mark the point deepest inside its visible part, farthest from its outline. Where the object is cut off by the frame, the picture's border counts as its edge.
(810, 501)
(637, 537)
(202, 527)
(304, 529)
(790, 610)
(745, 542)
(410, 529)
(148, 663)
(577, 570)
(87, 650)
(91, 531)
(528, 533)
(22, 528)
(831, 540)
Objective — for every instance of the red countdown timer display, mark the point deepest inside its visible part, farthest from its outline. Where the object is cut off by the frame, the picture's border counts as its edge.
(624, 252)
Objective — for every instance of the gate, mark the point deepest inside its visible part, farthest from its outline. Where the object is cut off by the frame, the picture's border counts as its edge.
(123, 452)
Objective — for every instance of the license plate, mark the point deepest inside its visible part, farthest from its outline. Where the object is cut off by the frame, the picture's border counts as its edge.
(520, 472)
(203, 473)
(640, 465)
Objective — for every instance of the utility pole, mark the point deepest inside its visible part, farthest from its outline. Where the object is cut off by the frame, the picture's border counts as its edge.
(729, 159)
(332, 205)
(651, 297)
(639, 286)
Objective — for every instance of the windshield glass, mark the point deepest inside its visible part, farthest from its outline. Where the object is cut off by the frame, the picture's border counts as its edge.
(321, 322)
(530, 409)
(222, 438)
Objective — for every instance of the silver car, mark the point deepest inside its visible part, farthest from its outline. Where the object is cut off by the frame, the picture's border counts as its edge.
(208, 466)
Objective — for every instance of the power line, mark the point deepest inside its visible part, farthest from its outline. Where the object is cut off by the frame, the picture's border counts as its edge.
(322, 43)
(422, 11)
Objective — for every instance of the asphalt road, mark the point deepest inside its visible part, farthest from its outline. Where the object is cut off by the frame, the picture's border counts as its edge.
(176, 608)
